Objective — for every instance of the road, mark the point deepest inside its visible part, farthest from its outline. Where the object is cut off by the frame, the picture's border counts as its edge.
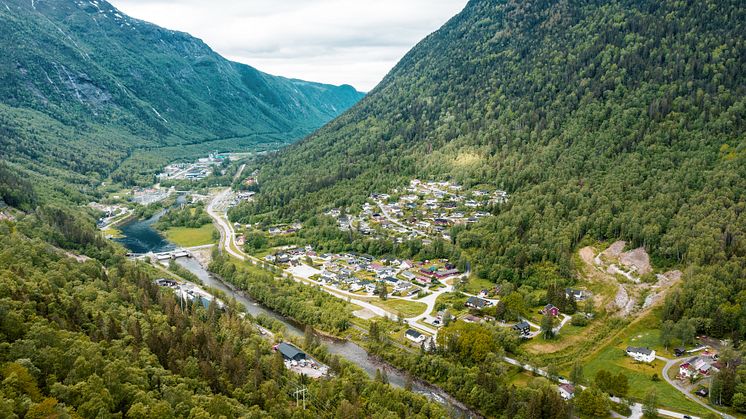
(675, 383)
(227, 242)
(635, 407)
(393, 220)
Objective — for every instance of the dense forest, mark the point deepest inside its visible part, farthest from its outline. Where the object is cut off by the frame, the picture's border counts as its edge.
(620, 119)
(79, 338)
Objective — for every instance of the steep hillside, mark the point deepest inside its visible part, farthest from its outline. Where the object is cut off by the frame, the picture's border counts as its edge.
(84, 85)
(603, 120)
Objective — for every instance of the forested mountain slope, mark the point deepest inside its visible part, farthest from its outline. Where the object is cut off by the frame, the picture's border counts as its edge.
(83, 85)
(603, 120)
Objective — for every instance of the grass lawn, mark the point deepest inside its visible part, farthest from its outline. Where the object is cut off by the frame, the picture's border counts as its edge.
(523, 378)
(612, 358)
(189, 237)
(476, 284)
(406, 308)
(112, 232)
(453, 303)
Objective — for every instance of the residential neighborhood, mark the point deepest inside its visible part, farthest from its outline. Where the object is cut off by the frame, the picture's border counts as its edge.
(424, 210)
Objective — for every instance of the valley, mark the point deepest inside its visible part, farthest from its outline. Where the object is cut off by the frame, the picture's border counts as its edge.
(538, 212)
(415, 292)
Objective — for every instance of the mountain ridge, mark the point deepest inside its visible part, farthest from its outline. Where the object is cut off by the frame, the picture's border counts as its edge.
(89, 66)
(570, 107)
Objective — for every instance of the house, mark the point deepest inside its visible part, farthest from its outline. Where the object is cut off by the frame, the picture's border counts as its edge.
(163, 282)
(641, 354)
(440, 222)
(391, 280)
(414, 291)
(446, 273)
(408, 275)
(567, 391)
(355, 287)
(402, 285)
(423, 279)
(370, 287)
(415, 336)
(699, 365)
(478, 303)
(522, 327)
(483, 293)
(290, 352)
(577, 295)
(283, 258)
(702, 392)
(679, 351)
(551, 309)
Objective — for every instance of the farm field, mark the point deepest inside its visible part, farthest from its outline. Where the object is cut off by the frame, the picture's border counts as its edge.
(190, 237)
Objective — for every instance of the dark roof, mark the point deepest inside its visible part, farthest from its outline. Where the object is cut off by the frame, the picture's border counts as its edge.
(411, 332)
(477, 302)
(290, 352)
(522, 325)
(644, 351)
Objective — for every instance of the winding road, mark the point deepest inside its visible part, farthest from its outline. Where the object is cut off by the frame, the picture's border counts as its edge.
(675, 383)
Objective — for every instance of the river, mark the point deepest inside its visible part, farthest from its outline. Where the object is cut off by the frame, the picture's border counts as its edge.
(140, 237)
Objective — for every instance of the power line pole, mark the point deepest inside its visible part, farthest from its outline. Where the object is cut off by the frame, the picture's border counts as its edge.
(301, 392)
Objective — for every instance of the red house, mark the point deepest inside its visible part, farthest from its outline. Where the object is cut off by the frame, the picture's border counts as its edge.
(551, 309)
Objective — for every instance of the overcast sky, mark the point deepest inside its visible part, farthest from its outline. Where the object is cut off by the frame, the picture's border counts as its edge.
(332, 41)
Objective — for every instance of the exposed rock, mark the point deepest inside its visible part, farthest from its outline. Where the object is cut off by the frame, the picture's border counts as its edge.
(613, 251)
(637, 259)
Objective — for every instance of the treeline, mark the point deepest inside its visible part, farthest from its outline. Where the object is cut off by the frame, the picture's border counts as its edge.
(192, 216)
(301, 302)
(468, 365)
(81, 340)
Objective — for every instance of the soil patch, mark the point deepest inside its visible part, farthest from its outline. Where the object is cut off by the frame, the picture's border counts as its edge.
(637, 259)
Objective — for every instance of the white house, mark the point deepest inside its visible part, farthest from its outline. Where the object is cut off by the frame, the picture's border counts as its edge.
(415, 336)
(370, 288)
(567, 391)
(641, 354)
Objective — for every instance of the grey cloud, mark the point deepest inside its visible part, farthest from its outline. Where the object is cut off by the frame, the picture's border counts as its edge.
(334, 41)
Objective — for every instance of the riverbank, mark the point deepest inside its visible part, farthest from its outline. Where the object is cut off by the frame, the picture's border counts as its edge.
(351, 350)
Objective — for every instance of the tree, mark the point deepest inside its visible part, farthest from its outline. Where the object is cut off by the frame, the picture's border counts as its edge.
(621, 385)
(381, 290)
(739, 402)
(547, 325)
(447, 318)
(685, 330)
(592, 402)
(577, 374)
(667, 333)
(616, 385)
(650, 407)
(514, 306)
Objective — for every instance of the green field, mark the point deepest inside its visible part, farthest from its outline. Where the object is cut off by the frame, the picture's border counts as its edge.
(612, 358)
(477, 284)
(453, 302)
(405, 308)
(189, 237)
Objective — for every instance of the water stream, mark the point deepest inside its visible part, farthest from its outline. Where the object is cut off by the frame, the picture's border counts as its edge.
(140, 237)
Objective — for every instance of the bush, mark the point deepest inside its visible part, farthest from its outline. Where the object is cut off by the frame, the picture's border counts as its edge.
(579, 319)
